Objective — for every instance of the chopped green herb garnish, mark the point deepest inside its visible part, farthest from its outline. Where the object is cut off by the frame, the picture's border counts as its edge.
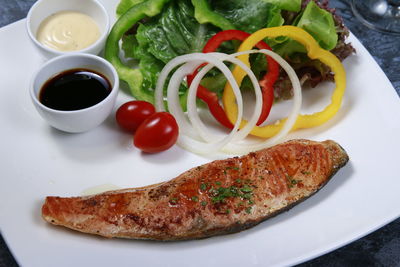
(217, 199)
(221, 193)
(203, 186)
(204, 203)
(195, 198)
(238, 181)
(213, 191)
(247, 196)
(248, 210)
(246, 189)
(224, 192)
(218, 183)
(292, 182)
(228, 211)
(173, 200)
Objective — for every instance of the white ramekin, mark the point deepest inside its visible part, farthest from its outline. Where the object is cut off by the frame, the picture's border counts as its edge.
(44, 8)
(77, 120)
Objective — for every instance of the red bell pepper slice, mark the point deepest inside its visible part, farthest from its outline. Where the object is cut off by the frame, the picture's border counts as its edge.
(211, 98)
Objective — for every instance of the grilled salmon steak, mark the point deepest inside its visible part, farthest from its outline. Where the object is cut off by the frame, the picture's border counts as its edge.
(220, 197)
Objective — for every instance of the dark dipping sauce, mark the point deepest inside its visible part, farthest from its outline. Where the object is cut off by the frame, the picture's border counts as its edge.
(75, 89)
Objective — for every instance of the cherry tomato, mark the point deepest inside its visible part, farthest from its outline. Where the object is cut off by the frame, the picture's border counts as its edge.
(131, 114)
(157, 133)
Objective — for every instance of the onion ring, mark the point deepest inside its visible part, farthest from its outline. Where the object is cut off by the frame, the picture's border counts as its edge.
(191, 134)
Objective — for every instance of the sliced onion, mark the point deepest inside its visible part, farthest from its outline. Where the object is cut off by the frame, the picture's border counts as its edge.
(173, 101)
(174, 105)
(235, 147)
(191, 134)
(290, 121)
(193, 115)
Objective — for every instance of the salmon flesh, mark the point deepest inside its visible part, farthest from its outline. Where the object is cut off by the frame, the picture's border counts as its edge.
(220, 197)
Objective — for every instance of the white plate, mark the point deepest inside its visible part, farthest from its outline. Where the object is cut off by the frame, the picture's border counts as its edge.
(37, 161)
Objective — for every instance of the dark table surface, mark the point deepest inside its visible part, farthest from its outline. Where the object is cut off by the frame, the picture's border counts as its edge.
(380, 248)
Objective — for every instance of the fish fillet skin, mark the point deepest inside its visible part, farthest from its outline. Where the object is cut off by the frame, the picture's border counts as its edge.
(220, 197)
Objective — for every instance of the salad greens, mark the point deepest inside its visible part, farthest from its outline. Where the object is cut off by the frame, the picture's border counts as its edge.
(291, 5)
(184, 26)
(319, 23)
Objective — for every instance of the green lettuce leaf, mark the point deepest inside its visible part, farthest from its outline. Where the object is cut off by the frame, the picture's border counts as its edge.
(248, 15)
(129, 44)
(317, 22)
(289, 5)
(320, 24)
(149, 66)
(174, 32)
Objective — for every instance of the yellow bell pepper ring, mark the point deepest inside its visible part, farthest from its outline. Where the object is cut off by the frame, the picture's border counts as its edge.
(314, 51)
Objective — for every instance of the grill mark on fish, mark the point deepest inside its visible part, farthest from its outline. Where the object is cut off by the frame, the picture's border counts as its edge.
(220, 197)
(279, 177)
(315, 160)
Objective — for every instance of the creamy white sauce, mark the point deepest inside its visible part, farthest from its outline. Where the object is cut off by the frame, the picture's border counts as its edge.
(68, 31)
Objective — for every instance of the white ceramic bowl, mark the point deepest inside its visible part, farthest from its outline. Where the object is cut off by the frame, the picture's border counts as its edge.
(44, 8)
(77, 120)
